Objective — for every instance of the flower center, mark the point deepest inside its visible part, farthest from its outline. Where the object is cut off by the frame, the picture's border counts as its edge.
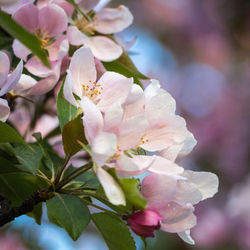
(92, 90)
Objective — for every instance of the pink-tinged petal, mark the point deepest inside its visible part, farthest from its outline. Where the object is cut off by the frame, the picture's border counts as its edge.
(136, 94)
(136, 165)
(92, 119)
(115, 88)
(76, 37)
(52, 20)
(7, 2)
(43, 86)
(113, 117)
(111, 188)
(103, 147)
(175, 212)
(109, 21)
(68, 8)
(68, 89)
(26, 82)
(104, 48)
(160, 106)
(82, 69)
(152, 89)
(158, 190)
(131, 131)
(4, 110)
(180, 226)
(58, 49)
(20, 50)
(37, 68)
(188, 145)
(27, 16)
(187, 193)
(87, 5)
(12, 80)
(4, 67)
(186, 237)
(10, 9)
(163, 166)
(207, 183)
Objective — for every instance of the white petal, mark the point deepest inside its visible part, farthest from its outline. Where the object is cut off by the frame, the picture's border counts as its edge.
(111, 188)
(135, 94)
(75, 36)
(104, 48)
(92, 119)
(110, 20)
(152, 89)
(4, 67)
(68, 89)
(207, 183)
(113, 116)
(103, 147)
(13, 79)
(20, 50)
(82, 69)
(163, 166)
(25, 83)
(4, 110)
(134, 166)
(186, 237)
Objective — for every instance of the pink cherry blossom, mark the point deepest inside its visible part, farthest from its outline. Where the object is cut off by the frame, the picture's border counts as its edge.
(107, 21)
(173, 199)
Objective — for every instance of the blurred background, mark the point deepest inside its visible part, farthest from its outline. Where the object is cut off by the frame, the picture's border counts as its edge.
(200, 51)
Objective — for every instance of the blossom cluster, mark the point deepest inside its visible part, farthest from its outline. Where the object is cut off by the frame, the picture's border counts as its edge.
(133, 130)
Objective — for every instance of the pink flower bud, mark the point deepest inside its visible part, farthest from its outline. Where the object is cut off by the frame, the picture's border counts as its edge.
(145, 222)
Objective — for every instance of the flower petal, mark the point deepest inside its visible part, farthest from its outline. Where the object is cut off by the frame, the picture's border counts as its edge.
(113, 116)
(76, 37)
(58, 49)
(111, 188)
(27, 16)
(163, 166)
(68, 89)
(25, 83)
(82, 69)
(92, 119)
(13, 79)
(4, 110)
(103, 147)
(110, 20)
(4, 67)
(115, 86)
(87, 5)
(207, 183)
(20, 50)
(104, 48)
(12, 8)
(52, 20)
(186, 237)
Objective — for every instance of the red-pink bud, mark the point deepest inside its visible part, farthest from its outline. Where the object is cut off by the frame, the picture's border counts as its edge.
(145, 222)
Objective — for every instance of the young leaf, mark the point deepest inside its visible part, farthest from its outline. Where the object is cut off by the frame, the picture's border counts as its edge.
(68, 212)
(73, 132)
(114, 231)
(65, 111)
(9, 134)
(26, 38)
(134, 199)
(29, 156)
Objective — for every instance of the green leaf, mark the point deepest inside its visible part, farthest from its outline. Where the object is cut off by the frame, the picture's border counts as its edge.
(26, 38)
(17, 187)
(68, 212)
(29, 156)
(114, 231)
(134, 199)
(126, 67)
(37, 213)
(73, 132)
(9, 134)
(65, 111)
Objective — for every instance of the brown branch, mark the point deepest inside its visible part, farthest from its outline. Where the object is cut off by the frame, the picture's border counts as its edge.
(7, 215)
